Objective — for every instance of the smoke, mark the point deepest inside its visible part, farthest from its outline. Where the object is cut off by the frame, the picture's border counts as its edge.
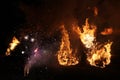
(38, 57)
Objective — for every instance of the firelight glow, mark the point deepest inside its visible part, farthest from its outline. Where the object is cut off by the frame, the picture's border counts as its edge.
(65, 55)
(12, 45)
(96, 55)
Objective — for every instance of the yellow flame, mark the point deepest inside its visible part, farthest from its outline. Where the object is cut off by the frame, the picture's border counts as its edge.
(87, 36)
(65, 54)
(12, 45)
(100, 57)
(107, 31)
(97, 56)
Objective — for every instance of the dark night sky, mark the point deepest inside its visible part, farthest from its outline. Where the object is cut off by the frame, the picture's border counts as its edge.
(17, 16)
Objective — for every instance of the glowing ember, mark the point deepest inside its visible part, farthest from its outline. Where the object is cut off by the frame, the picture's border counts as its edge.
(107, 31)
(95, 11)
(100, 56)
(12, 45)
(65, 54)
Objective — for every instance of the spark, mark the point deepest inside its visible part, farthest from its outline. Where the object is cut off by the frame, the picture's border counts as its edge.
(23, 52)
(32, 40)
(26, 37)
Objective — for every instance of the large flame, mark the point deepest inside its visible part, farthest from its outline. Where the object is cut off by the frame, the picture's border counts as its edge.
(12, 45)
(87, 35)
(65, 54)
(100, 56)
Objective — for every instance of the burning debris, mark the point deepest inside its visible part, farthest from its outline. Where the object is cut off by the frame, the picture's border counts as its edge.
(12, 45)
(95, 11)
(107, 31)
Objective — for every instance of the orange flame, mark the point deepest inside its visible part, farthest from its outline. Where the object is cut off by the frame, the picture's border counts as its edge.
(87, 36)
(100, 57)
(65, 54)
(107, 31)
(97, 56)
(12, 45)
(95, 11)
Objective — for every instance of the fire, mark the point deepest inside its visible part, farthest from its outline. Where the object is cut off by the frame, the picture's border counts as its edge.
(100, 56)
(87, 36)
(95, 11)
(65, 54)
(12, 45)
(107, 31)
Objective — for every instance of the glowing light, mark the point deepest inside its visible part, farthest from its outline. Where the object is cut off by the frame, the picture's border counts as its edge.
(26, 69)
(65, 54)
(12, 45)
(100, 56)
(107, 31)
(32, 40)
(95, 11)
(26, 37)
(87, 36)
(36, 50)
(23, 52)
